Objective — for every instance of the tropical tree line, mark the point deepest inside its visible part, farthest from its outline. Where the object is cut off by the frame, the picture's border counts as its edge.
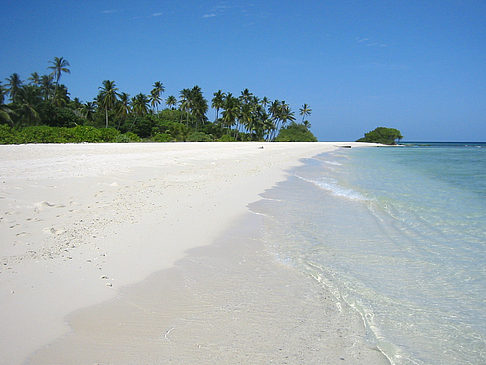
(42, 100)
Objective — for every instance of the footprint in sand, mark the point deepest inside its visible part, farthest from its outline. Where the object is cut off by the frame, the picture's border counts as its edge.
(52, 230)
(42, 205)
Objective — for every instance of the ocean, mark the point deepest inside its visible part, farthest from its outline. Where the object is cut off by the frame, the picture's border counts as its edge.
(399, 235)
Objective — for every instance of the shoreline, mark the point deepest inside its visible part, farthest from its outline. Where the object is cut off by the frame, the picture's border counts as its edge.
(80, 221)
(229, 302)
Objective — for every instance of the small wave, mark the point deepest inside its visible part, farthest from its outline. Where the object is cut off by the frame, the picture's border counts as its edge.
(335, 189)
(258, 213)
(332, 163)
(272, 199)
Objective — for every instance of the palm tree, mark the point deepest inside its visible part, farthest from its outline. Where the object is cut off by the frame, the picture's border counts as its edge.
(246, 96)
(268, 127)
(5, 111)
(218, 102)
(245, 117)
(59, 65)
(305, 111)
(14, 84)
(265, 102)
(108, 96)
(231, 111)
(171, 102)
(185, 102)
(3, 92)
(198, 105)
(46, 86)
(155, 99)
(34, 79)
(5, 114)
(61, 96)
(28, 100)
(274, 110)
(139, 104)
(123, 106)
(286, 114)
(306, 124)
(88, 110)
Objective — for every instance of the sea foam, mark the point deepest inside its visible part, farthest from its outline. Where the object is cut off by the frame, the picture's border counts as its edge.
(332, 186)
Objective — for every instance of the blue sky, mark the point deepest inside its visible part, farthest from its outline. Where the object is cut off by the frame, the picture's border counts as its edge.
(419, 66)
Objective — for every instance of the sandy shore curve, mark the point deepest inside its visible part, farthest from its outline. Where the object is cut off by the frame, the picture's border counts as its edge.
(78, 222)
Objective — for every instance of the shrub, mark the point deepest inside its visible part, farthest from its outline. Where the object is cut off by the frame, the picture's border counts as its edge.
(199, 137)
(382, 135)
(178, 131)
(295, 133)
(54, 116)
(140, 125)
(169, 115)
(163, 137)
(109, 134)
(127, 138)
(40, 134)
(227, 138)
(7, 135)
(122, 138)
(82, 133)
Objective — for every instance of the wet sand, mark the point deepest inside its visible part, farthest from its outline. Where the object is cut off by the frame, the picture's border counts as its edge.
(228, 303)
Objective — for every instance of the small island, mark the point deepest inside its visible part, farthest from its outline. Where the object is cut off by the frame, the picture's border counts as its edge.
(388, 136)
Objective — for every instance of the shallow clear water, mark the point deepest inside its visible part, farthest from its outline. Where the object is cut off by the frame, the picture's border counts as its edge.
(400, 235)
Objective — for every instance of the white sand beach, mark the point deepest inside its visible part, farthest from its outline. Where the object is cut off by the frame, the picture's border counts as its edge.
(94, 237)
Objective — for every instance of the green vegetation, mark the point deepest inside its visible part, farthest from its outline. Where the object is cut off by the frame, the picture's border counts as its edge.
(41, 110)
(295, 133)
(46, 134)
(382, 135)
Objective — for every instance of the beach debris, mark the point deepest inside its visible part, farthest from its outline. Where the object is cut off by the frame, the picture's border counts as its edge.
(52, 230)
(103, 277)
(339, 307)
(168, 332)
(260, 148)
(109, 284)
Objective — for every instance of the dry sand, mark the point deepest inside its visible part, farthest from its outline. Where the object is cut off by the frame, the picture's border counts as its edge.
(82, 226)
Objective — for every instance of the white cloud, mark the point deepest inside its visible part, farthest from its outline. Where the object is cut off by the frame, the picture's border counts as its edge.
(210, 15)
(157, 14)
(370, 43)
(109, 11)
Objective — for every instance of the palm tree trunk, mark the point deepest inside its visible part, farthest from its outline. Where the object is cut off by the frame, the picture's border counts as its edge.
(106, 115)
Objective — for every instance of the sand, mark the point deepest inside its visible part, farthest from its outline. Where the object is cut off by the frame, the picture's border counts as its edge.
(98, 252)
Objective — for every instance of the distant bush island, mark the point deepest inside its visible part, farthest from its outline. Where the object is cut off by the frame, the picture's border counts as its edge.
(382, 135)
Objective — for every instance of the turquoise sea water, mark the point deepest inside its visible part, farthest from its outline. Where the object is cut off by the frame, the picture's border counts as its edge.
(400, 235)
